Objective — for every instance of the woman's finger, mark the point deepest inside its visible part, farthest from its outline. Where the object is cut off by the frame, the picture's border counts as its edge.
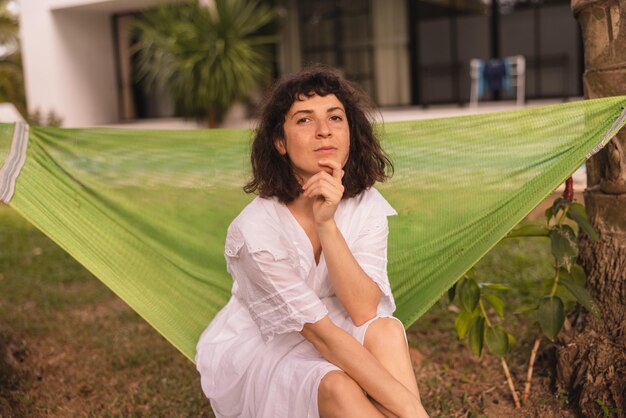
(320, 175)
(337, 172)
(327, 180)
(328, 192)
(334, 165)
(312, 179)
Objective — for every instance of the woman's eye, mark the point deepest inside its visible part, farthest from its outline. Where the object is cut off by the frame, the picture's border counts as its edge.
(336, 118)
(302, 120)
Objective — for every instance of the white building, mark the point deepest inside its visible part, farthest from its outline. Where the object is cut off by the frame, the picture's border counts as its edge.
(403, 52)
(76, 58)
(69, 57)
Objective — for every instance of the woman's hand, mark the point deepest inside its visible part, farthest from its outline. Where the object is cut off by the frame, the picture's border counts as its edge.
(327, 191)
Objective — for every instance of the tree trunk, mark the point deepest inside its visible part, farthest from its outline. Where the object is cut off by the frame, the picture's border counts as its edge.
(592, 361)
(212, 119)
(214, 116)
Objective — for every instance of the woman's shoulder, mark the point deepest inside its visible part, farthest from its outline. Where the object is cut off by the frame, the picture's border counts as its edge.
(261, 214)
(258, 226)
(370, 202)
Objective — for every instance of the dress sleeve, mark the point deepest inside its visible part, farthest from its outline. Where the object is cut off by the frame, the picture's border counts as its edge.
(370, 248)
(268, 283)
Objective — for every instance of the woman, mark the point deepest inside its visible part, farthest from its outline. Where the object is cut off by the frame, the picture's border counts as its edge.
(309, 329)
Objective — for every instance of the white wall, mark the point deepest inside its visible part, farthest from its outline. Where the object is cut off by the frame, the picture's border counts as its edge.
(289, 54)
(69, 64)
(391, 54)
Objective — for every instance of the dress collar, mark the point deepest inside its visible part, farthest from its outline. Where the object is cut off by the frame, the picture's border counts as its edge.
(302, 240)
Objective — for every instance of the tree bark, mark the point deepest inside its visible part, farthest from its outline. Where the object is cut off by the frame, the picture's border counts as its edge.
(214, 117)
(592, 361)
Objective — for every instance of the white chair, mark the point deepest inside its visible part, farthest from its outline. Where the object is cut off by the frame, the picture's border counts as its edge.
(517, 73)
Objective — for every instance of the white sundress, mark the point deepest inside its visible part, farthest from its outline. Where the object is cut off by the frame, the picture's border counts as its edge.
(252, 360)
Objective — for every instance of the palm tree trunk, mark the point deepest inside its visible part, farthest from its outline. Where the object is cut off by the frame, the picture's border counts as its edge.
(592, 360)
(214, 116)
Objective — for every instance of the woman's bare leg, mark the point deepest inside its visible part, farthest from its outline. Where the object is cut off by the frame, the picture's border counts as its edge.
(382, 409)
(340, 396)
(385, 339)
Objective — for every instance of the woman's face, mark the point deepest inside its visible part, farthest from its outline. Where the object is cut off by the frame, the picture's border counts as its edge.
(315, 128)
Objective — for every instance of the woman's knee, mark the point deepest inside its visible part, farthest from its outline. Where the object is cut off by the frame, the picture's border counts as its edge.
(337, 387)
(385, 331)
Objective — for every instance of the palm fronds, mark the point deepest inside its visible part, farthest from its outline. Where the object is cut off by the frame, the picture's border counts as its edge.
(207, 58)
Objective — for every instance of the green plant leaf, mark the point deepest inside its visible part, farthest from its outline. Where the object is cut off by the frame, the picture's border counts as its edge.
(476, 335)
(605, 410)
(469, 294)
(548, 214)
(557, 205)
(582, 296)
(529, 230)
(563, 244)
(462, 323)
(452, 293)
(493, 286)
(569, 300)
(578, 214)
(551, 316)
(497, 303)
(578, 275)
(526, 308)
(497, 340)
(511, 339)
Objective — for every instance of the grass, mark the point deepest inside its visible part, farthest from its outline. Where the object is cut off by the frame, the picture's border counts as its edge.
(70, 347)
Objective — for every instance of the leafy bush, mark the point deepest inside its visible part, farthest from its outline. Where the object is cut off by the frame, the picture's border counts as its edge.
(562, 292)
(206, 57)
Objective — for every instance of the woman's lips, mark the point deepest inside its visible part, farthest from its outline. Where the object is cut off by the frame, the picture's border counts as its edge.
(326, 150)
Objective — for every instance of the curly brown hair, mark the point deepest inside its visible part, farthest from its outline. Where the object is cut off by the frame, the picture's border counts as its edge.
(272, 173)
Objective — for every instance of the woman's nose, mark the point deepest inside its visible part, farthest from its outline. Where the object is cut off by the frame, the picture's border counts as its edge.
(323, 130)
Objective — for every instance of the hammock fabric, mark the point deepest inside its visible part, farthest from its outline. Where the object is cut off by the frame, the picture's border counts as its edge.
(147, 211)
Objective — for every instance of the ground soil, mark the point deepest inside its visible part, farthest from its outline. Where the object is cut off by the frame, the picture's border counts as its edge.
(36, 381)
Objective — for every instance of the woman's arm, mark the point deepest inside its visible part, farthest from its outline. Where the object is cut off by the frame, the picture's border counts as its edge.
(354, 288)
(341, 349)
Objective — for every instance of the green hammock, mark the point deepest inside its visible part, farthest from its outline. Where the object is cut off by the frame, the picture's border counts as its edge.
(146, 211)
